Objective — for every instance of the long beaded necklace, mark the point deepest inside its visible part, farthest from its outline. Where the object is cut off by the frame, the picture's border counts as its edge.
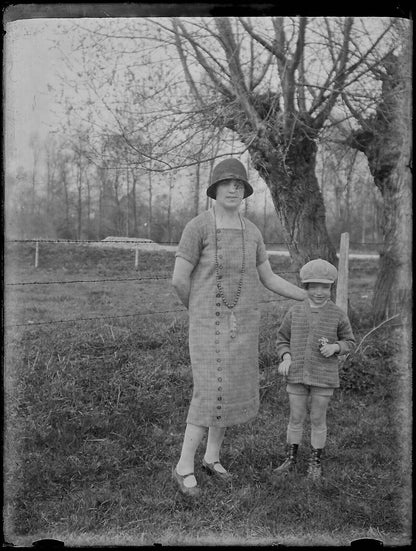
(230, 305)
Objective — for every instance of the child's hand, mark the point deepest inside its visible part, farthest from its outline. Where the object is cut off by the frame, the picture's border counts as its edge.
(328, 350)
(284, 366)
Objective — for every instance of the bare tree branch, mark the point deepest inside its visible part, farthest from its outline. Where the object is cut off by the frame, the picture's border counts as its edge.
(300, 45)
(218, 83)
(339, 77)
(272, 48)
(190, 81)
(232, 53)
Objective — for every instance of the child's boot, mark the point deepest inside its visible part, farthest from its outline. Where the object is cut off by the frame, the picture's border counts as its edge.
(289, 464)
(315, 467)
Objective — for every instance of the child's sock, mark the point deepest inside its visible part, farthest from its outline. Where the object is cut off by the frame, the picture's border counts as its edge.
(318, 438)
(294, 434)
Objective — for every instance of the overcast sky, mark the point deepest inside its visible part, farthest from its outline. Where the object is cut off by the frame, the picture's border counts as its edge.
(30, 66)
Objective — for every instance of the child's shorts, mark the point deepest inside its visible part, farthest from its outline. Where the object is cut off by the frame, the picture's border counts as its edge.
(305, 390)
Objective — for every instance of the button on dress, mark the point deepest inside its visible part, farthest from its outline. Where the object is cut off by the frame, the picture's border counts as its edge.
(225, 370)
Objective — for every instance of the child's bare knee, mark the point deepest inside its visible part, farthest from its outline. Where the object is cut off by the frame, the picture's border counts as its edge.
(318, 419)
(297, 418)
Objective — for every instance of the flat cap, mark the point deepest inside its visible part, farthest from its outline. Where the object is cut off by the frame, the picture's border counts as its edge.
(318, 271)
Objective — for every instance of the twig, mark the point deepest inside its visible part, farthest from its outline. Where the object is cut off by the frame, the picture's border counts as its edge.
(374, 329)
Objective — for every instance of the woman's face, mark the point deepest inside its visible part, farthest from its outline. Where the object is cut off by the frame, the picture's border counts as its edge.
(230, 193)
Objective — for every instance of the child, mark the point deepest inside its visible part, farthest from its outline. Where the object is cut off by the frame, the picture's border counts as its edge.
(312, 334)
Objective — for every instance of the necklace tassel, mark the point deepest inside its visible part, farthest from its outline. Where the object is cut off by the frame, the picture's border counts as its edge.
(233, 326)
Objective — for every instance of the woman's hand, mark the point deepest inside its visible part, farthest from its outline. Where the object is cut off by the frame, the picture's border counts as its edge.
(284, 366)
(181, 279)
(277, 284)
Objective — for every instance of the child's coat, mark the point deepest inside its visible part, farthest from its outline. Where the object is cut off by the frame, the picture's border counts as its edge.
(299, 335)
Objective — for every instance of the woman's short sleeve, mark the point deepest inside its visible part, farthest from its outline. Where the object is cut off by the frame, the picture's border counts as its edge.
(190, 244)
(261, 255)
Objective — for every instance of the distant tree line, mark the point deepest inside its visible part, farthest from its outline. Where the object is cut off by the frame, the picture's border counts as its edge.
(66, 196)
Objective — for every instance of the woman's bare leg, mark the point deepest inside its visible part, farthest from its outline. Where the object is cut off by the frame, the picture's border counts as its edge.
(186, 464)
(214, 441)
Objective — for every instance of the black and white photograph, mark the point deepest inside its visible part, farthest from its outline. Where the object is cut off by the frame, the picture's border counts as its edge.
(207, 320)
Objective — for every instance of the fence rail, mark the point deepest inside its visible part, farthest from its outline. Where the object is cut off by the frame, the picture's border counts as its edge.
(95, 318)
(104, 280)
(137, 279)
(135, 314)
(135, 246)
(149, 242)
(142, 279)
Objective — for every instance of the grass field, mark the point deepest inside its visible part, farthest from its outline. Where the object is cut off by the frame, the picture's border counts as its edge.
(95, 410)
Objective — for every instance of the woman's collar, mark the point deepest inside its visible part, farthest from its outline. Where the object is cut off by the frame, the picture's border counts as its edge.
(212, 211)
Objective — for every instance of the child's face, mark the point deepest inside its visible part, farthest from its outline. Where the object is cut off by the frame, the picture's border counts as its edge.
(318, 293)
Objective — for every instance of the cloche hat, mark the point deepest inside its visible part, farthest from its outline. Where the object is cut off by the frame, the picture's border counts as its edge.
(225, 170)
(318, 271)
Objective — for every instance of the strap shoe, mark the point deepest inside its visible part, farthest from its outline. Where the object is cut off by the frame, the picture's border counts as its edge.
(210, 468)
(194, 491)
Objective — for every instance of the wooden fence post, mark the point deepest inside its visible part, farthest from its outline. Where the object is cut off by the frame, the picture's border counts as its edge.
(342, 284)
(136, 259)
(37, 254)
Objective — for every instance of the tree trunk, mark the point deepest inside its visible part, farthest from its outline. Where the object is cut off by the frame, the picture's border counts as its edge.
(67, 226)
(49, 181)
(79, 192)
(197, 189)
(150, 215)
(87, 181)
(134, 205)
(208, 200)
(296, 196)
(246, 201)
(363, 220)
(100, 214)
(392, 292)
(127, 204)
(346, 226)
(118, 210)
(169, 216)
(386, 142)
(33, 195)
(79, 225)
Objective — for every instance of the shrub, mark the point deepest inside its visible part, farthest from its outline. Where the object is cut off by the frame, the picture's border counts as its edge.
(371, 366)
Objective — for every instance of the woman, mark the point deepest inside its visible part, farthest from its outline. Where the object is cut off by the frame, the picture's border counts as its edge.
(221, 259)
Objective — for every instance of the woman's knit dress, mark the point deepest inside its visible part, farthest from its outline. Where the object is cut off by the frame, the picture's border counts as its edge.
(225, 369)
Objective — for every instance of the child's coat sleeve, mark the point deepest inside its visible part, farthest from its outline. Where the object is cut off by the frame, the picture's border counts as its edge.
(346, 339)
(283, 335)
